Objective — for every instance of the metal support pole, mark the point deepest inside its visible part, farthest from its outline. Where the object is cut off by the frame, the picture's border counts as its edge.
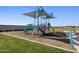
(37, 16)
(34, 28)
(38, 25)
(70, 37)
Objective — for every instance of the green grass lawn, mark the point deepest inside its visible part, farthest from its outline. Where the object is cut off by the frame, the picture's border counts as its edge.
(17, 45)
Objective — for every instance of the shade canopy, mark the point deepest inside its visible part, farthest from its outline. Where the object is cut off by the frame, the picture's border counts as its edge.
(41, 12)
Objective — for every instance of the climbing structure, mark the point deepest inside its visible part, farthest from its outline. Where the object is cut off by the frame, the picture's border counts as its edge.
(41, 19)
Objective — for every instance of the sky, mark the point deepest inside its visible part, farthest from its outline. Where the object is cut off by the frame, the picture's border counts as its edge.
(65, 15)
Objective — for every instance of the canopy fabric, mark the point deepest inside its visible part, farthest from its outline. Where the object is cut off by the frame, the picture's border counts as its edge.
(41, 13)
(31, 14)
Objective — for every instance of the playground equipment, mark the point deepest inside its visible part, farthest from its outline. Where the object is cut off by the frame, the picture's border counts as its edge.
(51, 28)
(42, 25)
(41, 19)
(28, 28)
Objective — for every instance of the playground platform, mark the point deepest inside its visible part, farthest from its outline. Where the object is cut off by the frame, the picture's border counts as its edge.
(58, 42)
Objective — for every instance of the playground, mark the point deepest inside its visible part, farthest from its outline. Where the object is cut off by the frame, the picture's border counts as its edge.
(41, 31)
(43, 28)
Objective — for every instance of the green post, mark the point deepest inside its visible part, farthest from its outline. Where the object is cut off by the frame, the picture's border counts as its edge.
(38, 20)
(70, 37)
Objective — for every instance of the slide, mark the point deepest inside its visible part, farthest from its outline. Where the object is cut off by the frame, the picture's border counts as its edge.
(52, 29)
(56, 34)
